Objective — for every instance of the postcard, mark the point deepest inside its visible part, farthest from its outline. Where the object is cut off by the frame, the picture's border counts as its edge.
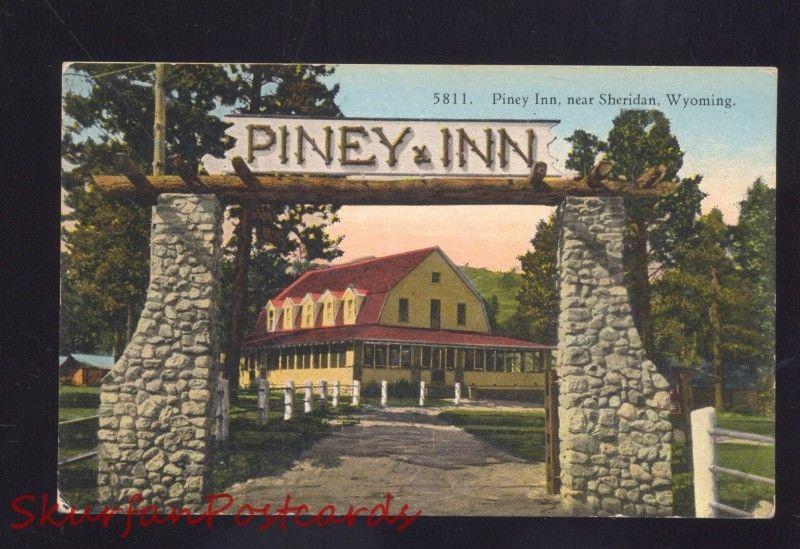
(330, 293)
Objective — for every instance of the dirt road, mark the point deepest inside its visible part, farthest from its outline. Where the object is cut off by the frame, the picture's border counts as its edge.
(422, 461)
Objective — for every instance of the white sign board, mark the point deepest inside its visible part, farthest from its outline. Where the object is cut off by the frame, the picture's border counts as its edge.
(387, 147)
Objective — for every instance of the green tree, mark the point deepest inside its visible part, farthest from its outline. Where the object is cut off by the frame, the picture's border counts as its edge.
(107, 263)
(536, 317)
(638, 140)
(297, 232)
(702, 306)
(492, 306)
(585, 148)
(108, 240)
(753, 248)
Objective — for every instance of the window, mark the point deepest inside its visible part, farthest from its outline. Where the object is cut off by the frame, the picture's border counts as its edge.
(450, 360)
(491, 361)
(270, 319)
(426, 358)
(436, 356)
(469, 360)
(369, 356)
(394, 356)
(436, 277)
(405, 357)
(329, 312)
(402, 312)
(480, 356)
(380, 356)
(436, 314)
(461, 314)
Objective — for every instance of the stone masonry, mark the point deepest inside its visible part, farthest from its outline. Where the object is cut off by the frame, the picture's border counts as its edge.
(614, 408)
(156, 405)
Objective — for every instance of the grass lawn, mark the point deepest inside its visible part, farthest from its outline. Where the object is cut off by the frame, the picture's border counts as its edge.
(250, 450)
(77, 402)
(253, 450)
(521, 434)
(406, 402)
(750, 458)
(78, 481)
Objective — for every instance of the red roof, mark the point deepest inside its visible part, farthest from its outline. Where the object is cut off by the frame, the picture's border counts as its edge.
(371, 277)
(375, 332)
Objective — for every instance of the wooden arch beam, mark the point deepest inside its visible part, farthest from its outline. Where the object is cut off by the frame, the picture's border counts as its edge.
(244, 186)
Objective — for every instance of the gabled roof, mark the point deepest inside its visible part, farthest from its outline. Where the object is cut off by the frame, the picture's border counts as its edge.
(373, 275)
(105, 362)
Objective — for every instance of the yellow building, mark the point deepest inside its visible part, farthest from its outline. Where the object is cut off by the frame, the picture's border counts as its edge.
(411, 316)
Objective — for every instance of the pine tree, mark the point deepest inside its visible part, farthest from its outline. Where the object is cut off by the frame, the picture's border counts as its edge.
(536, 317)
(288, 230)
(638, 140)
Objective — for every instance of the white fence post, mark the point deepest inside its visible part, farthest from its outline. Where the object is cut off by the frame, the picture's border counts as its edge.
(384, 393)
(222, 408)
(703, 459)
(336, 394)
(422, 393)
(356, 392)
(288, 400)
(308, 401)
(323, 389)
(457, 398)
(263, 400)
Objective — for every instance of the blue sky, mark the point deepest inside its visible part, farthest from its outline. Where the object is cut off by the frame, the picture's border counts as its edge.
(729, 147)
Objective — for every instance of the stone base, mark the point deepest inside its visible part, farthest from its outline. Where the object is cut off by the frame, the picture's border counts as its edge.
(156, 403)
(614, 408)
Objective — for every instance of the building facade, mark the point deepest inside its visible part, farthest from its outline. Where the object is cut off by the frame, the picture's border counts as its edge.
(412, 316)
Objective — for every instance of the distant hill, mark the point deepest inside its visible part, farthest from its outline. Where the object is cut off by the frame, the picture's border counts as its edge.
(503, 285)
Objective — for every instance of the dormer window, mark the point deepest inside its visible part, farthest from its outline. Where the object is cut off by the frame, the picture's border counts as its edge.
(328, 312)
(288, 321)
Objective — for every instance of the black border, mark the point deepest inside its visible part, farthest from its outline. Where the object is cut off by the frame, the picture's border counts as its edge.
(37, 36)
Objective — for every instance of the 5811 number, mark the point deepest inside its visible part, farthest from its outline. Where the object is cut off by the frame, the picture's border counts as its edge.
(448, 98)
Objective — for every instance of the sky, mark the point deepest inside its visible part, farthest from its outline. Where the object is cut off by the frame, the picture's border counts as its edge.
(729, 147)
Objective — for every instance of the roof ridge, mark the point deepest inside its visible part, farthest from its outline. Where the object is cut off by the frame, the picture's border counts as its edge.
(371, 259)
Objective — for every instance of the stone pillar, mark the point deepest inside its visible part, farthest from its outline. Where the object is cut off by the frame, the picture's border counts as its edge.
(384, 394)
(156, 404)
(422, 393)
(356, 392)
(613, 407)
(336, 389)
(457, 396)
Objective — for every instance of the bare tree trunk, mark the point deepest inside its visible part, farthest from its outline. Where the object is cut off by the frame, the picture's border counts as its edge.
(244, 245)
(687, 397)
(119, 341)
(130, 321)
(716, 356)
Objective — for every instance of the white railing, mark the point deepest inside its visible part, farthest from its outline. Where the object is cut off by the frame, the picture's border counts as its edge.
(704, 458)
